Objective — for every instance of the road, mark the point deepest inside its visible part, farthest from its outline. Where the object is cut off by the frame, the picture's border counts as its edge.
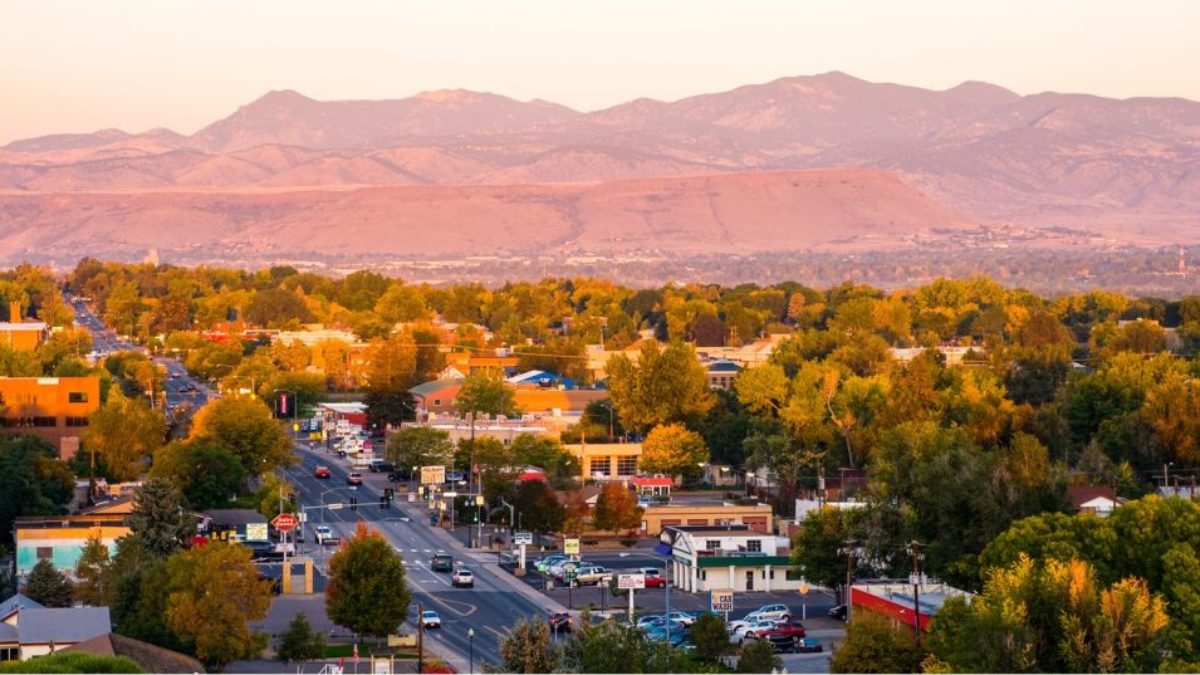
(490, 608)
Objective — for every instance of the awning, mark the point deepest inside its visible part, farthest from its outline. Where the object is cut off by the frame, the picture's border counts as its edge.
(663, 549)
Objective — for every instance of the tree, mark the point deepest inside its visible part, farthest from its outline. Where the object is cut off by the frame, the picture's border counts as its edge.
(300, 642)
(92, 575)
(539, 508)
(420, 446)
(33, 482)
(367, 591)
(616, 509)
(277, 307)
(388, 407)
(485, 392)
(758, 656)
(158, 518)
(527, 649)
(711, 638)
(664, 386)
(207, 475)
(48, 586)
(139, 588)
(73, 662)
(245, 427)
(674, 450)
(874, 645)
(214, 592)
(817, 547)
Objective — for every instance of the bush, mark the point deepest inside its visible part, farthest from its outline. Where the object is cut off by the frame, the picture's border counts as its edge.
(73, 662)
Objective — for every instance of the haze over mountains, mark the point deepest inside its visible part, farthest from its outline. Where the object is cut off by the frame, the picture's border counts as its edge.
(769, 165)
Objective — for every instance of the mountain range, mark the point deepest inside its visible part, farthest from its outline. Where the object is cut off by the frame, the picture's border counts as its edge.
(1126, 171)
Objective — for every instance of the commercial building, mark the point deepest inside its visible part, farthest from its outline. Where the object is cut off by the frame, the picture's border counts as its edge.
(60, 539)
(606, 461)
(755, 517)
(234, 525)
(53, 408)
(732, 557)
(22, 336)
(897, 601)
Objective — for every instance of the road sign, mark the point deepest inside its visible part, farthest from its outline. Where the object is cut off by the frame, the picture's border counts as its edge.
(627, 581)
(433, 475)
(721, 601)
(523, 538)
(571, 546)
(284, 522)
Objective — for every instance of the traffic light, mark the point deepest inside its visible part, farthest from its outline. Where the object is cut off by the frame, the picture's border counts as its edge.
(354, 503)
(383, 502)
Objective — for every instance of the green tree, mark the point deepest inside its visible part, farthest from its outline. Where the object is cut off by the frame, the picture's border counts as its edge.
(528, 649)
(33, 482)
(367, 591)
(124, 432)
(674, 450)
(711, 638)
(214, 593)
(539, 508)
(245, 427)
(300, 642)
(485, 393)
(73, 662)
(139, 587)
(388, 407)
(159, 519)
(207, 475)
(874, 645)
(420, 446)
(666, 385)
(47, 585)
(758, 656)
(92, 575)
(616, 509)
(818, 544)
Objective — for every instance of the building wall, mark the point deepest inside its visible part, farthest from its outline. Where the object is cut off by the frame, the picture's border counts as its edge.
(65, 545)
(757, 517)
(53, 408)
(606, 459)
(766, 578)
(533, 401)
(21, 339)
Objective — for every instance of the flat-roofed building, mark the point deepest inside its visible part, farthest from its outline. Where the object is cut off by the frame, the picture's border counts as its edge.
(606, 461)
(60, 539)
(53, 408)
(22, 336)
(731, 557)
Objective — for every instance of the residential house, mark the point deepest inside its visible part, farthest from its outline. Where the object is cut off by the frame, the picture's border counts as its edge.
(436, 397)
(722, 373)
(53, 408)
(731, 557)
(60, 539)
(1097, 499)
(27, 632)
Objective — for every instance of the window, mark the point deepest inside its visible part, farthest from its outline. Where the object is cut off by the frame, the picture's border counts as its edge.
(712, 545)
(77, 397)
(10, 653)
(45, 552)
(77, 421)
(626, 466)
(43, 421)
(692, 522)
(754, 545)
(602, 465)
(437, 401)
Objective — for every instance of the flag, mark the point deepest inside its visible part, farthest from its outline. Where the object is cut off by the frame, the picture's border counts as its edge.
(356, 653)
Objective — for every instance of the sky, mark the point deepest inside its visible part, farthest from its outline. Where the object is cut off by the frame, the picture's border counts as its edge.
(74, 66)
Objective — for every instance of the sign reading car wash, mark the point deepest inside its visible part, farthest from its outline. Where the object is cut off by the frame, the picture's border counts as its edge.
(433, 475)
(631, 581)
(284, 522)
(571, 546)
(721, 601)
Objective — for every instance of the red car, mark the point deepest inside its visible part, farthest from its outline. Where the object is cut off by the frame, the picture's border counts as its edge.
(783, 630)
(322, 472)
(654, 577)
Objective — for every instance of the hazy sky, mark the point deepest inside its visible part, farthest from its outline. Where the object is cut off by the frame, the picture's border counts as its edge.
(136, 64)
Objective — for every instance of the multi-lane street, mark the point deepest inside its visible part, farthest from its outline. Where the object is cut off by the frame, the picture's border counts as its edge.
(491, 607)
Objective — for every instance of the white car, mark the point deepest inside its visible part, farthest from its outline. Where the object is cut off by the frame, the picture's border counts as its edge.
(430, 619)
(558, 569)
(322, 533)
(776, 612)
(462, 577)
(749, 631)
(752, 617)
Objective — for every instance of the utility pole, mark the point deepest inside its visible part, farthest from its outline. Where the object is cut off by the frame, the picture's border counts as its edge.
(917, 550)
(850, 545)
(420, 637)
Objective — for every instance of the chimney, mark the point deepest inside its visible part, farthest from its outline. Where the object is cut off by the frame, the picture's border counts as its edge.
(14, 312)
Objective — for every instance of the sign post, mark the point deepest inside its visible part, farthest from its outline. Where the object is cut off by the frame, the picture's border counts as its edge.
(804, 600)
(571, 546)
(522, 539)
(721, 602)
(433, 475)
(631, 582)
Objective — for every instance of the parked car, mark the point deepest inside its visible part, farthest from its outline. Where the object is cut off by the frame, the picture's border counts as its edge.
(557, 569)
(676, 635)
(430, 619)
(776, 612)
(560, 622)
(462, 577)
(838, 612)
(354, 478)
(398, 475)
(379, 466)
(322, 472)
(792, 631)
(654, 577)
(740, 631)
(591, 575)
(263, 550)
(809, 646)
(543, 564)
(685, 618)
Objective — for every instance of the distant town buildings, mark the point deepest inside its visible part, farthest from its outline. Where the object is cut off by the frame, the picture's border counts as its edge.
(55, 409)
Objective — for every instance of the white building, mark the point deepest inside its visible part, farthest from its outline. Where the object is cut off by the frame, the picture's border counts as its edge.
(732, 557)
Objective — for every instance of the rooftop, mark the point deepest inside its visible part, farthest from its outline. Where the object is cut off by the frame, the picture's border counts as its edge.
(31, 325)
(62, 624)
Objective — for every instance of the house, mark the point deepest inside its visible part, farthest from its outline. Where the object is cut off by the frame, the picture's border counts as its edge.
(53, 408)
(38, 631)
(897, 601)
(234, 524)
(1097, 499)
(60, 539)
(152, 658)
(731, 557)
(722, 373)
(436, 397)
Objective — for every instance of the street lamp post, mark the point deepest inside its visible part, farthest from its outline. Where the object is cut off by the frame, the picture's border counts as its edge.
(471, 642)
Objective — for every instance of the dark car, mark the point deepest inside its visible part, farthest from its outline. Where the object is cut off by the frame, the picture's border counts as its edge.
(560, 622)
(398, 475)
(379, 466)
(441, 562)
(263, 550)
(838, 612)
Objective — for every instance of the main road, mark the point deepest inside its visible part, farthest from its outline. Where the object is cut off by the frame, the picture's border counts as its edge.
(490, 608)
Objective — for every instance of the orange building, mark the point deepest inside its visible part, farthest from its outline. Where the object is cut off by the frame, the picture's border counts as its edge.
(468, 363)
(53, 408)
(21, 336)
(547, 401)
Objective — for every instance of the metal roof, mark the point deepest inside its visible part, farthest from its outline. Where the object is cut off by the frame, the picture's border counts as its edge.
(39, 625)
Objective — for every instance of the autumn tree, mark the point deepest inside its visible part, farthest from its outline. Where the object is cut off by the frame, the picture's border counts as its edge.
(666, 385)
(367, 591)
(527, 649)
(159, 519)
(214, 592)
(874, 645)
(47, 585)
(92, 574)
(245, 427)
(616, 509)
(486, 393)
(124, 432)
(674, 450)
(539, 508)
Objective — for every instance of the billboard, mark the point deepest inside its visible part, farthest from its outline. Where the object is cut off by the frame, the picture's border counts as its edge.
(571, 546)
(433, 475)
(628, 581)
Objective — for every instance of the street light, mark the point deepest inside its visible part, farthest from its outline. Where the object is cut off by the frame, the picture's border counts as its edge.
(471, 642)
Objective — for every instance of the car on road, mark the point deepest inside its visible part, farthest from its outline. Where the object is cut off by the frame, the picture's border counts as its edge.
(776, 612)
(462, 578)
(354, 478)
(654, 577)
(838, 612)
(441, 562)
(379, 466)
(324, 535)
(430, 619)
(740, 631)
(322, 472)
(560, 622)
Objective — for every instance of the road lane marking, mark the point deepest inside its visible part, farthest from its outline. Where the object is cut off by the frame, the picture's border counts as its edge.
(496, 632)
(450, 605)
